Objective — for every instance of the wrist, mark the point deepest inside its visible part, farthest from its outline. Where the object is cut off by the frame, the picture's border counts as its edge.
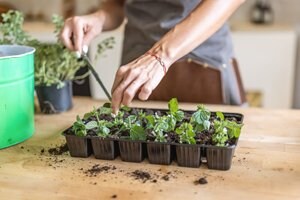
(101, 16)
(163, 53)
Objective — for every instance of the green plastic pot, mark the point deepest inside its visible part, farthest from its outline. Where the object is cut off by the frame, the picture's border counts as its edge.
(16, 94)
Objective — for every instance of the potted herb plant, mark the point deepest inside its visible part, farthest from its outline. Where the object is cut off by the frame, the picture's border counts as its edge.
(191, 134)
(55, 66)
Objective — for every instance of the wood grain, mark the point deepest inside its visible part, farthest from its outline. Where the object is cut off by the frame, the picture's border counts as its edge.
(266, 164)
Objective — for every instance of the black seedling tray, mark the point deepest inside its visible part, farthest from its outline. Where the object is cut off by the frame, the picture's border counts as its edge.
(187, 155)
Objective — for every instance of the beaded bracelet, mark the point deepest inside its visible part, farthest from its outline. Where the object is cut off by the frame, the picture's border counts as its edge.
(159, 60)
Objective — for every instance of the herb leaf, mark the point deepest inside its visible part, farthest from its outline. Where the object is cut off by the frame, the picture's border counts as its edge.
(173, 105)
(137, 133)
(200, 119)
(186, 133)
(220, 115)
(91, 125)
(79, 127)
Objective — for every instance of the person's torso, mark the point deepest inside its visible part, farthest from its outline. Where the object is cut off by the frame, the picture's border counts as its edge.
(149, 20)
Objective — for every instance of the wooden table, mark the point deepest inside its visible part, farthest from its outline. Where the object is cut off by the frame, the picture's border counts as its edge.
(266, 164)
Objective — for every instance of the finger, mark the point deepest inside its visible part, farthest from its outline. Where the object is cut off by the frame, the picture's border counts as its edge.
(119, 77)
(78, 34)
(146, 91)
(117, 96)
(151, 84)
(66, 37)
(132, 89)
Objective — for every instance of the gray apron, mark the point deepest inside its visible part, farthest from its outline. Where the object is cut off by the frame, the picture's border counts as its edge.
(149, 20)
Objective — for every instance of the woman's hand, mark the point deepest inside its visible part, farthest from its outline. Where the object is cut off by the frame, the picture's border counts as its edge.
(140, 77)
(80, 30)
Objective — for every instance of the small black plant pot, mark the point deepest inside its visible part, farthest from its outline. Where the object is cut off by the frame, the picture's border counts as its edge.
(53, 99)
(188, 155)
(219, 158)
(79, 146)
(104, 148)
(159, 153)
(131, 151)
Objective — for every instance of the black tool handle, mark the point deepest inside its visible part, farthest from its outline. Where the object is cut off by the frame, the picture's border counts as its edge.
(90, 66)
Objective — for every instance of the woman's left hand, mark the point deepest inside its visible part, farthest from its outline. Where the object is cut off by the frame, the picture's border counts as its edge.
(141, 77)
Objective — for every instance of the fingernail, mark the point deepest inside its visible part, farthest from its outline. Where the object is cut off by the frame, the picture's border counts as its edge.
(78, 54)
(85, 49)
(142, 97)
(115, 111)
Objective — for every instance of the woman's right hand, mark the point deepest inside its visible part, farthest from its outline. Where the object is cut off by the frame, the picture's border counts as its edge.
(80, 30)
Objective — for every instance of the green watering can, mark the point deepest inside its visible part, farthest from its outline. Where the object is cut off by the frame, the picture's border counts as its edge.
(16, 94)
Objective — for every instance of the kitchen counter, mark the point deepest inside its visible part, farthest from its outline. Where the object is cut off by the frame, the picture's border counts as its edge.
(266, 164)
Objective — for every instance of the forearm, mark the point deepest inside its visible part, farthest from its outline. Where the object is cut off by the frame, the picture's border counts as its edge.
(203, 22)
(112, 14)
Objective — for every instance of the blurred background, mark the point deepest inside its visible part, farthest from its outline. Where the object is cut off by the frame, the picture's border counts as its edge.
(265, 35)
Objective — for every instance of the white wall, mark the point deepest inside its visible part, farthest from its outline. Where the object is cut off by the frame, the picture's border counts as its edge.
(285, 12)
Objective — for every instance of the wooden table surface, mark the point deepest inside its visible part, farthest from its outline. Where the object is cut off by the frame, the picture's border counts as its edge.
(266, 164)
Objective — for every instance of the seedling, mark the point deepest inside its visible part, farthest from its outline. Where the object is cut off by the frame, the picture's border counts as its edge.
(225, 130)
(186, 133)
(135, 124)
(80, 129)
(137, 133)
(196, 134)
(174, 110)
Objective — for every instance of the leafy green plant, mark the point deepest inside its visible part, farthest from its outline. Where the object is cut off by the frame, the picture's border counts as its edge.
(200, 119)
(225, 130)
(11, 28)
(160, 125)
(137, 125)
(54, 64)
(174, 110)
(80, 129)
(137, 133)
(186, 133)
(102, 126)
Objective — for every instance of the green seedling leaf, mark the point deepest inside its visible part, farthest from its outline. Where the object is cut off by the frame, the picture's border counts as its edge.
(220, 115)
(79, 127)
(179, 115)
(87, 115)
(137, 133)
(206, 125)
(234, 129)
(125, 108)
(90, 125)
(80, 133)
(200, 119)
(160, 137)
(186, 133)
(107, 105)
(104, 110)
(150, 119)
(131, 119)
(103, 131)
(173, 105)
